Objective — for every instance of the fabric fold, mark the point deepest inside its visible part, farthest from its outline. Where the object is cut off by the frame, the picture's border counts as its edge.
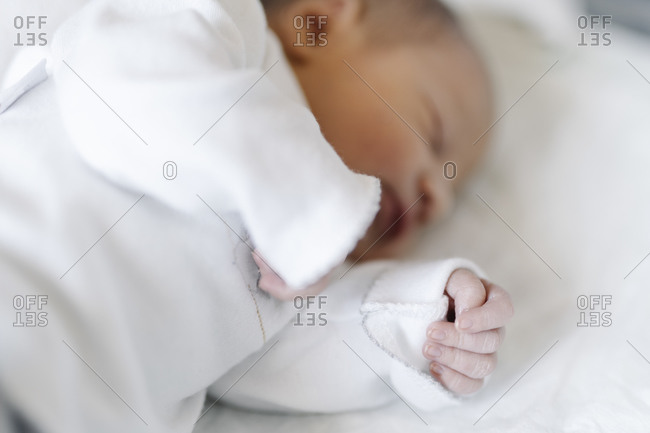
(141, 91)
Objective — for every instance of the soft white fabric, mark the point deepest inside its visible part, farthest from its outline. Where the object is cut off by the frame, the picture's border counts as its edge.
(34, 77)
(186, 79)
(151, 296)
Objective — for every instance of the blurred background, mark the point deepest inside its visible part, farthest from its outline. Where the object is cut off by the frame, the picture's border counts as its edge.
(632, 13)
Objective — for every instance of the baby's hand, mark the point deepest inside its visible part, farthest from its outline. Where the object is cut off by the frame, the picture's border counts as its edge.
(463, 352)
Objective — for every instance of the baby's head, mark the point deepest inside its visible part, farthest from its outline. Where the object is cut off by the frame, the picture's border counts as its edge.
(399, 93)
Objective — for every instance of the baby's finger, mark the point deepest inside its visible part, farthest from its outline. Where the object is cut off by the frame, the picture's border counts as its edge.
(466, 290)
(472, 365)
(495, 313)
(481, 342)
(455, 381)
(269, 280)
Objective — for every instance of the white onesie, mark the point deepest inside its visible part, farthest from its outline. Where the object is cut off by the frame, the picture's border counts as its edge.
(170, 137)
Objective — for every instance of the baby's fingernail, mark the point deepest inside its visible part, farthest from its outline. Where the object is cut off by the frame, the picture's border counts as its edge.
(433, 351)
(437, 334)
(436, 368)
(465, 323)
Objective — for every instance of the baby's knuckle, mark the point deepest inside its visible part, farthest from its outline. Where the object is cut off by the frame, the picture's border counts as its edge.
(488, 344)
(491, 342)
(475, 385)
(463, 280)
(483, 367)
(455, 382)
(467, 386)
(469, 365)
(461, 339)
(463, 274)
(455, 357)
(500, 337)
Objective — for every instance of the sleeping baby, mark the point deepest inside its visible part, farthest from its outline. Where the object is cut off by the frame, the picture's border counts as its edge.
(398, 91)
(307, 141)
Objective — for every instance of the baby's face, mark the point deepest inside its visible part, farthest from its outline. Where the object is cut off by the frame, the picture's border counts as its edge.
(409, 115)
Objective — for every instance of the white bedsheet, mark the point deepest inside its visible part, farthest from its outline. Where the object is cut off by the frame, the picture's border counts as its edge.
(569, 174)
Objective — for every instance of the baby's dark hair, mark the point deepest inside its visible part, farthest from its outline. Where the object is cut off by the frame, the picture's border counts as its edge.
(390, 21)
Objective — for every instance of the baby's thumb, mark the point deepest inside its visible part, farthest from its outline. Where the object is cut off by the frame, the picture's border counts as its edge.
(467, 291)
